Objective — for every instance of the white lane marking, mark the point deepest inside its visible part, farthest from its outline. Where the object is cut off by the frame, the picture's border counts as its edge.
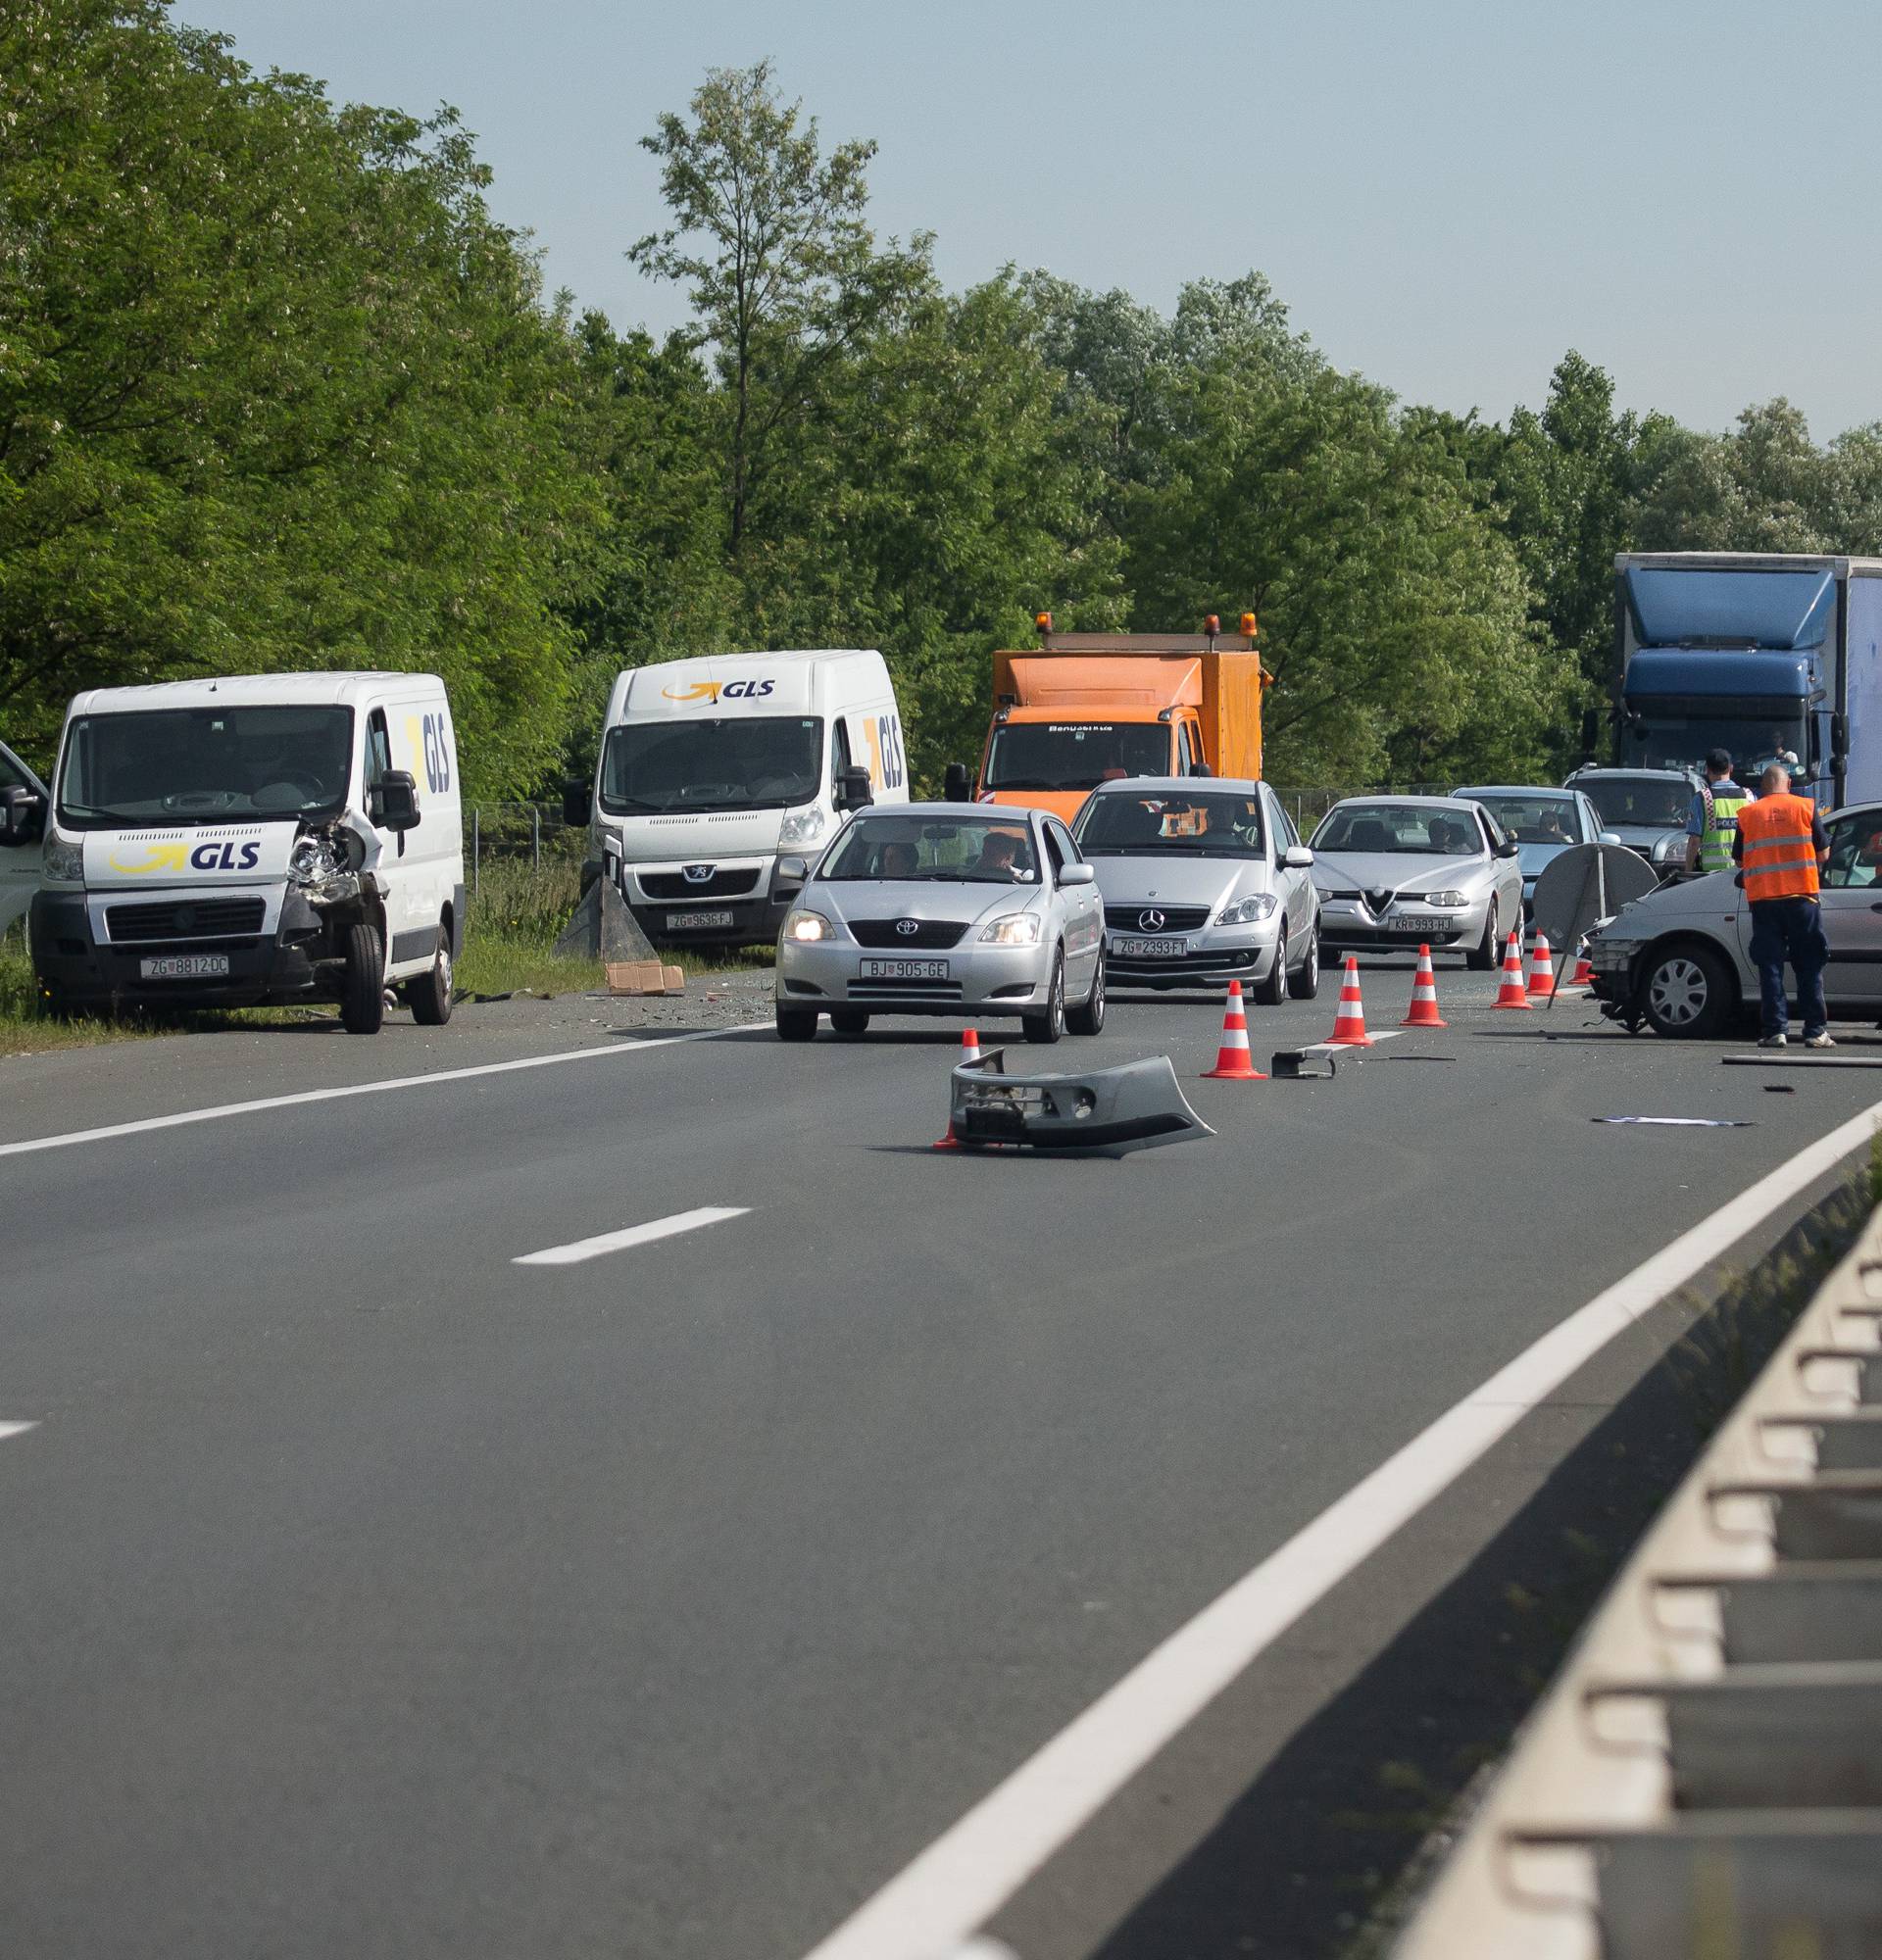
(8, 1429)
(970, 1872)
(147, 1123)
(574, 1253)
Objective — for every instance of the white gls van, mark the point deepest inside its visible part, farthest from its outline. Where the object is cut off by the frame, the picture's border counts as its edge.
(709, 768)
(234, 843)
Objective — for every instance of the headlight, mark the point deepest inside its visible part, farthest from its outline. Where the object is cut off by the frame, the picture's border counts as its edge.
(63, 859)
(805, 926)
(800, 826)
(1673, 845)
(1249, 911)
(312, 862)
(1014, 929)
(1452, 899)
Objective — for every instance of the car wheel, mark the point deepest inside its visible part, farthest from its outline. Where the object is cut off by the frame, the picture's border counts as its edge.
(363, 987)
(1050, 1025)
(1272, 991)
(429, 995)
(796, 1024)
(1482, 957)
(1090, 1019)
(1687, 992)
(1304, 984)
(850, 1020)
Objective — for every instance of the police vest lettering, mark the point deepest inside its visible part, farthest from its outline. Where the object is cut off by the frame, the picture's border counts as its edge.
(1721, 823)
(1779, 856)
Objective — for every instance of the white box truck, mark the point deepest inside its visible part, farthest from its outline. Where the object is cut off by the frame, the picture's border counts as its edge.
(709, 768)
(249, 841)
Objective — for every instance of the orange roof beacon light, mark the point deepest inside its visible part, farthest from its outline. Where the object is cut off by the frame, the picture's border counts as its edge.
(1248, 624)
(1213, 625)
(1043, 620)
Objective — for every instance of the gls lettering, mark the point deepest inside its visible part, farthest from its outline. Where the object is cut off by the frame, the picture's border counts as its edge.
(225, 857)
(437, 753)
(747, 689)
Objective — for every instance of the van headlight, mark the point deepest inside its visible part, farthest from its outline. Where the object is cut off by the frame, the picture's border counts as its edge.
(1013, 929)
(800, 826)
(63, 861)
(1249, 911)
(1451, 900)
(806, 927)
(312, 862)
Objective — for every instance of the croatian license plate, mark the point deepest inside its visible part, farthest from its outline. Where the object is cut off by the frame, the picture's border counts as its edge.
(1152, 948)
(185, 966)
(1420, 922)
(679, 922)
(903, 969)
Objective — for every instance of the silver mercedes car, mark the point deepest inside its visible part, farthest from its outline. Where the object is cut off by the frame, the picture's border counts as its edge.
(1204, 882)
(951, 909)
(1395, 872)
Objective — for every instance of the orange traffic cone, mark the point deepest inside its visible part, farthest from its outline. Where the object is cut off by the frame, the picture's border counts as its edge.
(1513, 993)
(1349, 1024)
(970, 1051)
(1584, 975)
(1425, 996)
(1233, 1062)
(1542, 969)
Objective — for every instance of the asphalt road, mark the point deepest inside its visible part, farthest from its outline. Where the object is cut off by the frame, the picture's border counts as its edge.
(369, 1594)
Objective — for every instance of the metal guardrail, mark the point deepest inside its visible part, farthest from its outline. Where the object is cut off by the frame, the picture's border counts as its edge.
(1704, 1782)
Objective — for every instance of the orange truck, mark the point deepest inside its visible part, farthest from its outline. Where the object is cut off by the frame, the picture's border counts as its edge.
(1084, 707)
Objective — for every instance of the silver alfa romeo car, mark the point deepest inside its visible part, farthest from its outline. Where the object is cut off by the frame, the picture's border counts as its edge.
(944, 908)
(1204, 882)
(1395, 872)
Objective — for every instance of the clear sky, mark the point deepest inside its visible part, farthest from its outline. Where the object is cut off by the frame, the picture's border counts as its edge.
(1447, 193)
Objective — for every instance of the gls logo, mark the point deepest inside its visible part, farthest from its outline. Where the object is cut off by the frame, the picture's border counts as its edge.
(225, 857)
(714, 690)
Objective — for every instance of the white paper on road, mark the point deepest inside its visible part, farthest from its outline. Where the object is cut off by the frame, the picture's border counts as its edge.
(1685, 1122)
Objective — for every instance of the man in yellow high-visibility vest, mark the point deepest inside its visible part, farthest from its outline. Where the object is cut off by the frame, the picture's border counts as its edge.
(1711, 825)
(1781, 843)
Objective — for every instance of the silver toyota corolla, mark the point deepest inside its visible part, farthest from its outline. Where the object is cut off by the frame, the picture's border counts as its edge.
(1395, 872)
(944, 908)
(1204, 882)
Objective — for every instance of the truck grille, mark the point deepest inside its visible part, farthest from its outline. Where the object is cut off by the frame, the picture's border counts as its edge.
(185, 918)
(1176, 918)
(720, 885)
(926, 936)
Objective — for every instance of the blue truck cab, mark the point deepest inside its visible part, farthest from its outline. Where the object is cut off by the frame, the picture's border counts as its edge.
(1771, 657)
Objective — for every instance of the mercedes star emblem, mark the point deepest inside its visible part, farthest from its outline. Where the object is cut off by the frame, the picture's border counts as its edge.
(1152, 920)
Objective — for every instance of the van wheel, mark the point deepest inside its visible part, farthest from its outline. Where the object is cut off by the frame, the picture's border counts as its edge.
(1049, 1026)
(429, 995)
(362, 990)
(795, 1024)
(850, 1020)
(1090, 1019)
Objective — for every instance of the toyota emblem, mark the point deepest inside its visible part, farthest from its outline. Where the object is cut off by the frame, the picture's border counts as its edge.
(1152, 920)
(907, 928)
(696, 874)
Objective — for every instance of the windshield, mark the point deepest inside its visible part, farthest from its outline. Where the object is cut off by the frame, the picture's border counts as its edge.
(959, 851)
(1075, 754)
(725, 762)
(1399, 826)
(1650, 803)
(204, 765)
(1533, 819)
(1683, 740)
(1164, 825)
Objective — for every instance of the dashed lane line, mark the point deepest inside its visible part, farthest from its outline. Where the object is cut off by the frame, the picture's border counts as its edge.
(574, 1253)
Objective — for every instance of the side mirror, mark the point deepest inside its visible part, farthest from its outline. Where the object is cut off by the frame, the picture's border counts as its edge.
(392, 803)
(853, 790)
(578, 804)
(1609, 837)
(1590, 733)
(23, 816)
(1077, 874)
(1508, 848)
(790, 877)
(1297, 858)
(958, 783)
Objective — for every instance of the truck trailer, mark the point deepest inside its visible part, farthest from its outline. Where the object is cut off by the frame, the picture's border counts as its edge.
(1081, 709)
(1772, 657)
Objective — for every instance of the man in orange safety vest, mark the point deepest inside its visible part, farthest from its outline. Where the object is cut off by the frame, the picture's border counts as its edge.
(1780, 844)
